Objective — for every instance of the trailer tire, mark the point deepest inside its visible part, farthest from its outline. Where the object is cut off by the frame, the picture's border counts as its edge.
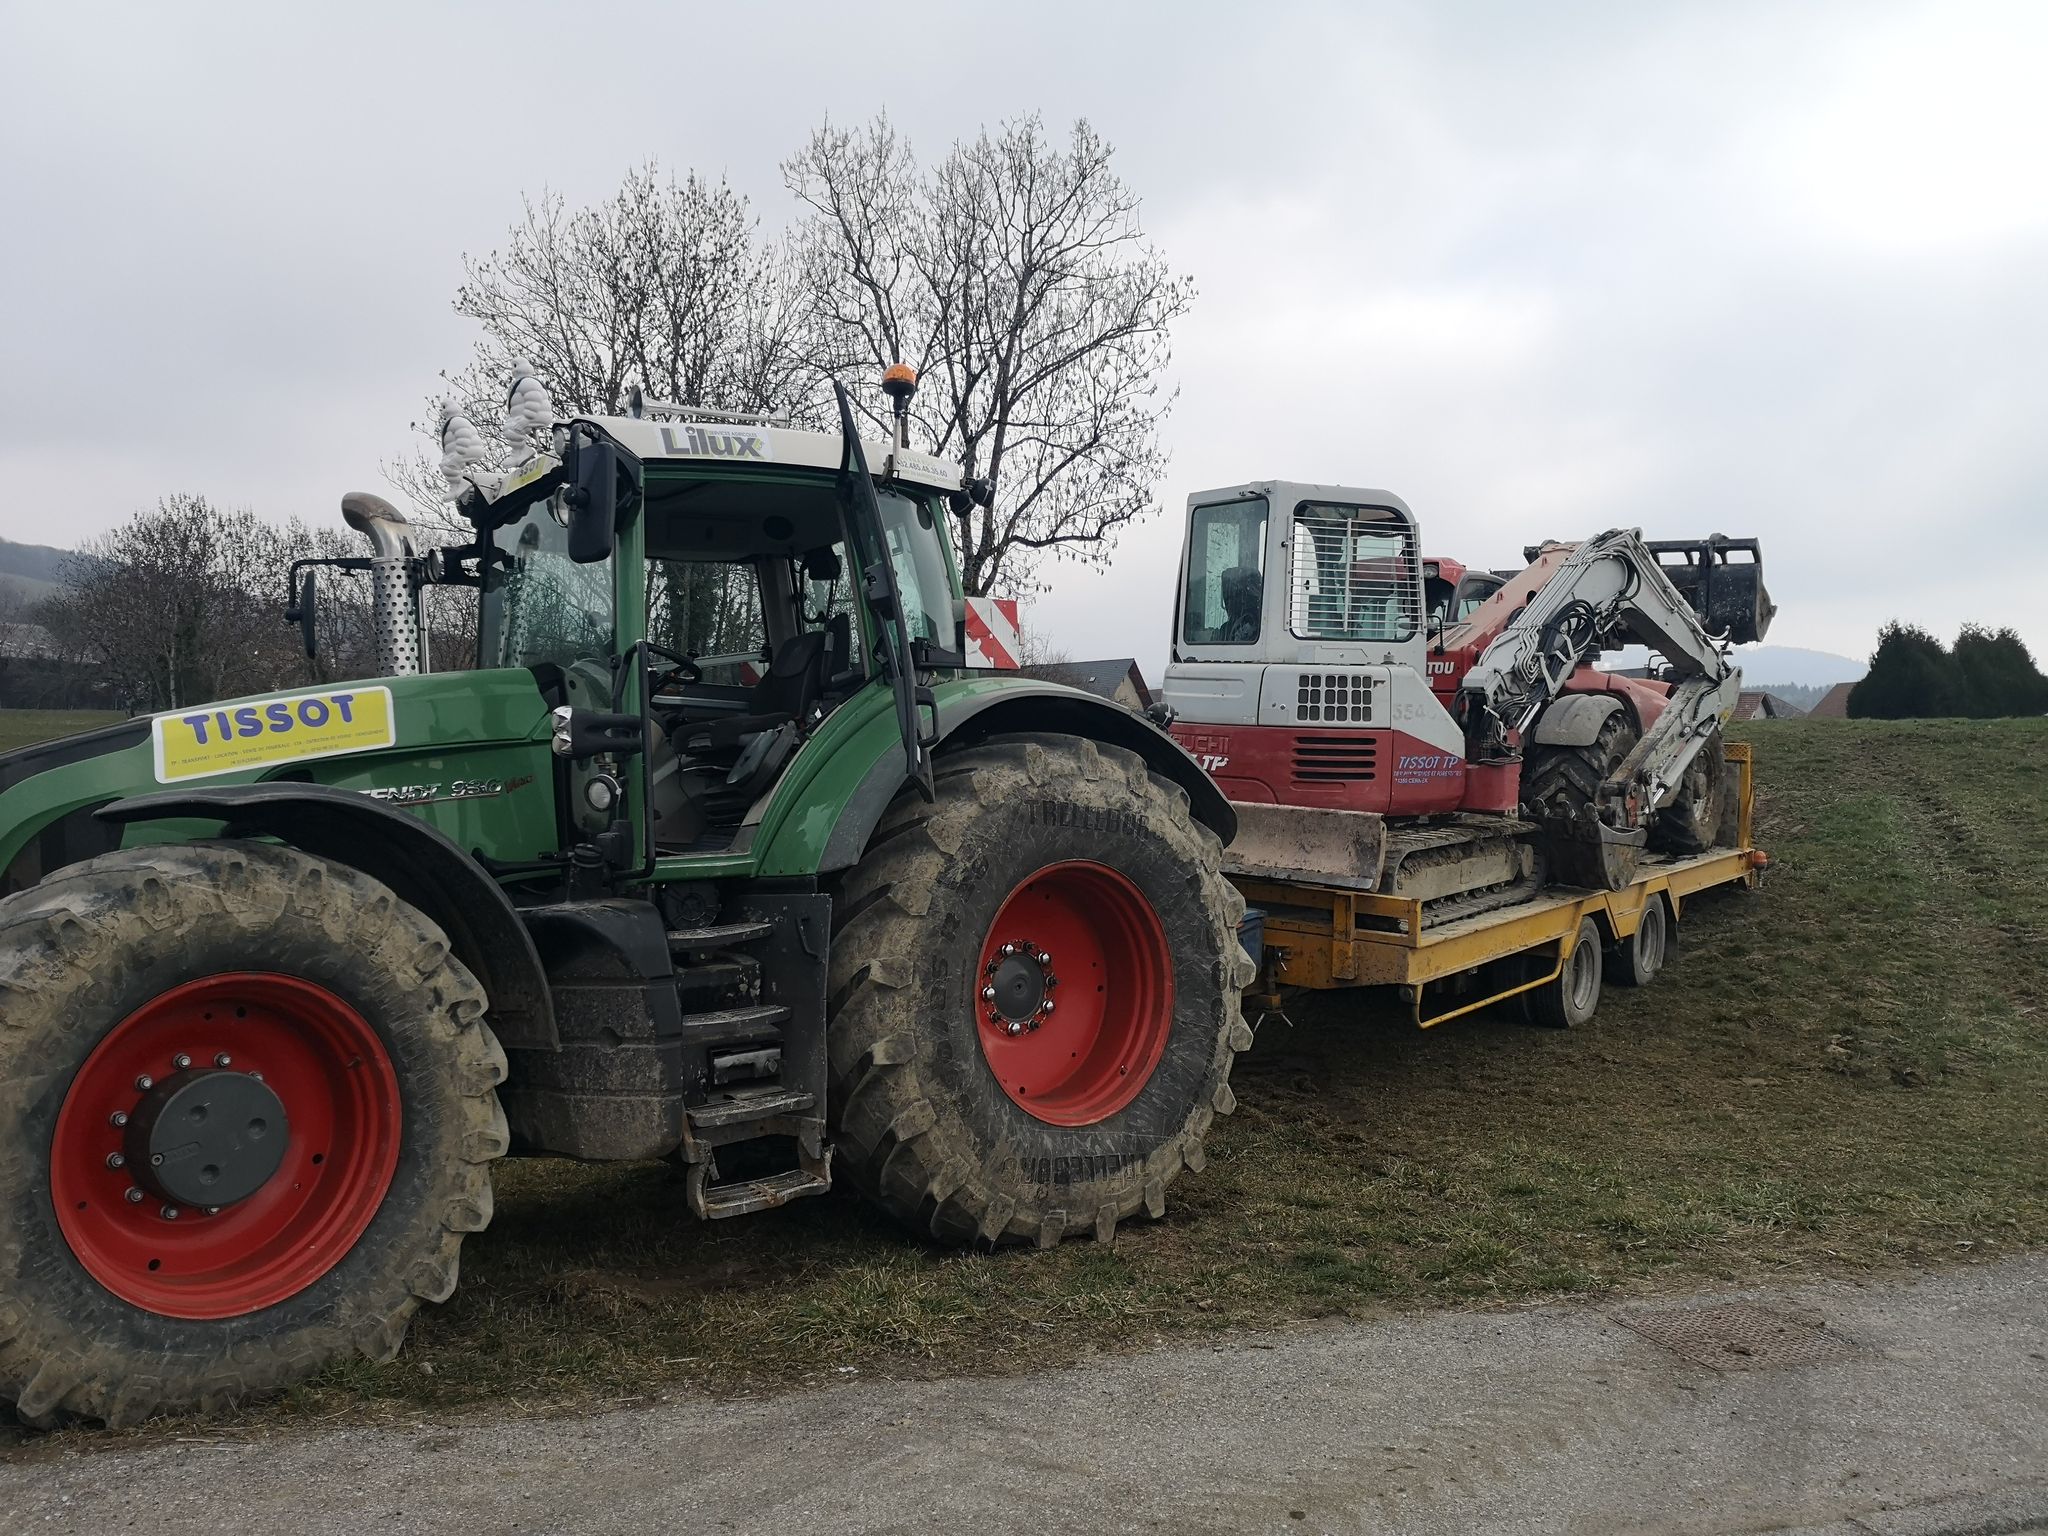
(1570, 998)
(1041, 856)
(371, 1043)
(1560, 786)
(1636, 960)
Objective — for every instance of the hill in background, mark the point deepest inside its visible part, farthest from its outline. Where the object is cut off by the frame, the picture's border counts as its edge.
(1766, 665)
(31, 569)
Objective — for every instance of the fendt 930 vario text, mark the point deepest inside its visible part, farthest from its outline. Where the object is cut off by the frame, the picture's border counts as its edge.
(718, 856)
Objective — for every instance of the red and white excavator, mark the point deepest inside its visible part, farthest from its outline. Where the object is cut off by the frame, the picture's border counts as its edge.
(1425, 730)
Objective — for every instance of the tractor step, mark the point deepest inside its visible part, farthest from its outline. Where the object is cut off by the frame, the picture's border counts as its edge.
(740, 1108)
(697, 941)
(716, 1202)
(749, 1023)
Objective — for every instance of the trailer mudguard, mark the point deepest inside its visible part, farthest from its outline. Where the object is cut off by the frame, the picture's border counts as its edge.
(422, 865)
(1575, 719)
(967, 718)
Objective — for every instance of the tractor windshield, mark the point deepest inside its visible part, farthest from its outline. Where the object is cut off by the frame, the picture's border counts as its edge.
(539, 606)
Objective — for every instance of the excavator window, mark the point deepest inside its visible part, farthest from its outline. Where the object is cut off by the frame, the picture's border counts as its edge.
(1226, 576)
(1355, 574)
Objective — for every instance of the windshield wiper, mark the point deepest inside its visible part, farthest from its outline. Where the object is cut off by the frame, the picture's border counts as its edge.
(884, 597)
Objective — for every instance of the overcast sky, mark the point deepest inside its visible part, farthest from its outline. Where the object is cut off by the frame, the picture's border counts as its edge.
(1539, 269)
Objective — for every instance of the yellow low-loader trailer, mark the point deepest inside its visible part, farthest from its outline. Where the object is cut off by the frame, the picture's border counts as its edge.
(1548, 953)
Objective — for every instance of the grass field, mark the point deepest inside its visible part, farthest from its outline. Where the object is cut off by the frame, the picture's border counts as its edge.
(1844, 1071)
(22, 727)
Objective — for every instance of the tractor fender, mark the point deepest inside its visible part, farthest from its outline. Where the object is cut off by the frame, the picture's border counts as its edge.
(422, 865)
(1575, 719)
(1029, 707)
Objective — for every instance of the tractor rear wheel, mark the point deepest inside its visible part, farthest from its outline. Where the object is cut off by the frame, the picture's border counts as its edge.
(250, 1102)
(1034, 999)
(1560, 787)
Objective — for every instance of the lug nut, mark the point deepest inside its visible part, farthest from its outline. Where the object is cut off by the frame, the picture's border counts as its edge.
(257, 1076)
(135, 1197)
(169, 1213)
(181, 1061)
(988, 994)
(223, 1059)
(1046, 1006)
(1007, 949)
(213, 1210)
(116, 1160)
(1044, 958)
(145, 1082)
(1013, 1028)
(118, 1118)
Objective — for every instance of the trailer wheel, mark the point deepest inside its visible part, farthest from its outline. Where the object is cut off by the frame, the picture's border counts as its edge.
(1636, 960)
(1570, 997)
(1034, 997)
(250, 1102)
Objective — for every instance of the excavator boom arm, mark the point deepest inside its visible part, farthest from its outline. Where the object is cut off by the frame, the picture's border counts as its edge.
(1603, 593)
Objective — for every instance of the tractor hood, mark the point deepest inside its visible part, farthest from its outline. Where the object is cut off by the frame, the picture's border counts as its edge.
(414, 740)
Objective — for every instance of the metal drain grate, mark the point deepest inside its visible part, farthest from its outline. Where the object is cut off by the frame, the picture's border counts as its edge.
(1739, 1336)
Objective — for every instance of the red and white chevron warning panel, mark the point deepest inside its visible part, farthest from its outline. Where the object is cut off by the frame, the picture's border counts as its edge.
(992, 635)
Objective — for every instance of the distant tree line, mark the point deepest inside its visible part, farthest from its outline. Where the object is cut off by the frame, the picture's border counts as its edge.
(1913, 676)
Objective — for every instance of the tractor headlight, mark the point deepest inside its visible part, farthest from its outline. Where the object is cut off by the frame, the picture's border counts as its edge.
(563, 717)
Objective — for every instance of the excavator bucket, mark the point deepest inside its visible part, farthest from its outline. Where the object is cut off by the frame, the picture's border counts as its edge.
(1302, 843)
(1727, 594)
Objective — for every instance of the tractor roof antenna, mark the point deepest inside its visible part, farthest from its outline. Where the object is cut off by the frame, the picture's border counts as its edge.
(899, 384)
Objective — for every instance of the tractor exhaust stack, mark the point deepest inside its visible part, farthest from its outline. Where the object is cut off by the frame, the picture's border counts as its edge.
(394, 582)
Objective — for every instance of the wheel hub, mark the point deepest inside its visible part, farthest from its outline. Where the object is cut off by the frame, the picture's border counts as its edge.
(1018, 991)
(206, 1139)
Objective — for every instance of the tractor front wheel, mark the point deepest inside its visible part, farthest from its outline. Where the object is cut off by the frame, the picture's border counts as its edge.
(1035, 987)
(250, 1102)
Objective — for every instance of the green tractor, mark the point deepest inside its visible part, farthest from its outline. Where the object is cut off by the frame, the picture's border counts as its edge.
(721, 856)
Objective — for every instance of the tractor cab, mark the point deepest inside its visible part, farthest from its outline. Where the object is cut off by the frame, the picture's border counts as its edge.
(755, 581)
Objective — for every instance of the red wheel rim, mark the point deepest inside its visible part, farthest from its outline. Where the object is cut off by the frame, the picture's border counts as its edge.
(331, 1076)
(1074, 993)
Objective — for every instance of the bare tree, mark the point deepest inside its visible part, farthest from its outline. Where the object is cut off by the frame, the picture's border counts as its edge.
(183, 604)
(1015, 277)
(666, 285)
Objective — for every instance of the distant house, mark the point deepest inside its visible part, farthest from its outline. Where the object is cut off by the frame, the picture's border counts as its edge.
(1763, 706)
(1117, 679)
(24, 641)
(1833, 705)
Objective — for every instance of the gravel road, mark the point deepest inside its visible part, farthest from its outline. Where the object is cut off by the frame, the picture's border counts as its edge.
(1922, 1407)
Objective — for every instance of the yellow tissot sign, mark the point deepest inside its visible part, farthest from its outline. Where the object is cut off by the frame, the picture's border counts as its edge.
(227, 738)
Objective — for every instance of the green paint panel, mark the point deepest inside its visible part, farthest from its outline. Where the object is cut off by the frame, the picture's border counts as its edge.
(474, 729)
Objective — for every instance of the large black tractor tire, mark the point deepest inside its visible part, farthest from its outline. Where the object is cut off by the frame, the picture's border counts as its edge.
(1034, 997)
(1695, 819)
(1559, 786)
(248, 1104)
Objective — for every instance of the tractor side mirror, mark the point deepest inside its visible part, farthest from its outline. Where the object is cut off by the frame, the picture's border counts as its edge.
(593, 502)
(303, 611)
